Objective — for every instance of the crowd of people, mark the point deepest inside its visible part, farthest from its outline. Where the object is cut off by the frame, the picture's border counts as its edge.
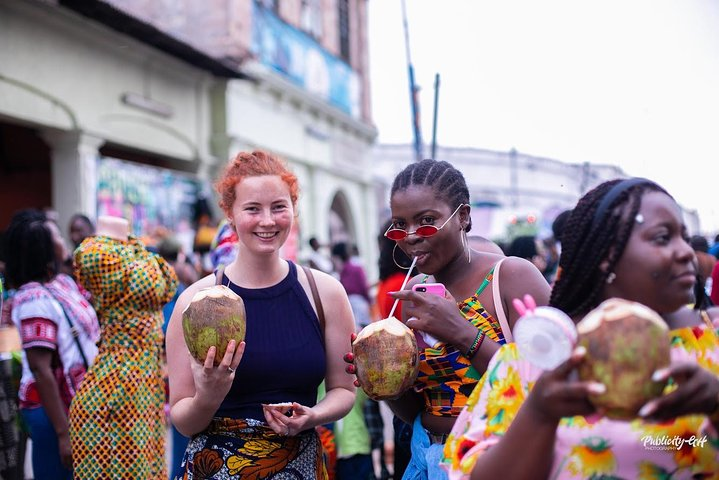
(104, 370)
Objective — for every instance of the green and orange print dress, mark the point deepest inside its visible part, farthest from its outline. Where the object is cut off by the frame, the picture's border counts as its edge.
(588, 448)
(117, 419)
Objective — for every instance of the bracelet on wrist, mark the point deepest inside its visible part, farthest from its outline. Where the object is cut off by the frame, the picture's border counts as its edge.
(474, 347)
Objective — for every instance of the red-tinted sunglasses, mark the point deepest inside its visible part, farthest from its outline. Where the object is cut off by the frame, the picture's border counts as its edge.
(424, 231)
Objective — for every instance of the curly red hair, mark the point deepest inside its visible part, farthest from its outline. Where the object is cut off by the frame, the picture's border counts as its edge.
(253, 164)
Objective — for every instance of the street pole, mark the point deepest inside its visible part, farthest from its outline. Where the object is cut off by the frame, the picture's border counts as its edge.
(413, 91)
(434, 119)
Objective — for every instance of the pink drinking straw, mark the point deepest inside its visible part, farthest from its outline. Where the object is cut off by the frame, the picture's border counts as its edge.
(404, 284)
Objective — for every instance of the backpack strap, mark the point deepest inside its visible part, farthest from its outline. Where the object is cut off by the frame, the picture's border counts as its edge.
(218, 274)
(315, 297)
(498, 306)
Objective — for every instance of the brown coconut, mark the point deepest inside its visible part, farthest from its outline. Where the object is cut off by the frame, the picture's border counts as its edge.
(626, 342)
(386, 359)
(214, 316)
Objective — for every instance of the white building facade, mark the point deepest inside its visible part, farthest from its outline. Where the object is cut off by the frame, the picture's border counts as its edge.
(96, 121)
(132, 108)
(507, 188)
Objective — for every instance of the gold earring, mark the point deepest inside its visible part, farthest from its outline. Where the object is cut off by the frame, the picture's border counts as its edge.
(465, 245)
(395, 261)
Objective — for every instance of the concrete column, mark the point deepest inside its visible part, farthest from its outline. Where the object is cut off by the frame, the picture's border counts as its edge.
(370, 227)
(74, 174)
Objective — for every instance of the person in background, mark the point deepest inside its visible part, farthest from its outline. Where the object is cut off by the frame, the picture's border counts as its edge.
(553, 246)
(80, 228)
(224, 246)
(171, 250)
(624, 239)
(714, 293)
(205, 231)
(352, 438)
(558, 226)
(393, 264)
(9, 434)
(430, 221)
(714, 249)
(117, 418)
(354, 280)
(58, 329)
(705, 262)
(525, 246)
(317, 259)
(62, 252)
(253, 414)
(481, 244)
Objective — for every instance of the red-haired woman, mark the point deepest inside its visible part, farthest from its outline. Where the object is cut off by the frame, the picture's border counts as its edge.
(287, 353)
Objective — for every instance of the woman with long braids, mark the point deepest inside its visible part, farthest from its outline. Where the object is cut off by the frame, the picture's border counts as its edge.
(624, 239)
(58, 329)
(457, 333)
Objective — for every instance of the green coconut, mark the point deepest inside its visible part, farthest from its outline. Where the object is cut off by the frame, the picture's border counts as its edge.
(214, 316)
(626, 343)
(386, 359)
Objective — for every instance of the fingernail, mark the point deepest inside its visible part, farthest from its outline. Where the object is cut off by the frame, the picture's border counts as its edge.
(597, 388)
(580, 351)
(646, 410)
(391, 293)
(660, 375)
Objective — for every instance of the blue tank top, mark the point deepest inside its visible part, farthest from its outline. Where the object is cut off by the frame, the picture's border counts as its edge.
(284, 358)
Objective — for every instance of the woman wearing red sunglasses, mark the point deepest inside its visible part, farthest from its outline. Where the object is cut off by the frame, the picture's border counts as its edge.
(430, 221)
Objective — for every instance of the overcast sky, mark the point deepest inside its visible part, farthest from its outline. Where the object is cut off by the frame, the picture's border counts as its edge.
(634, 83)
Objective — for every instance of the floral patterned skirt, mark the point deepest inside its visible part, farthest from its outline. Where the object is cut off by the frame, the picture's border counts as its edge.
(248, 449)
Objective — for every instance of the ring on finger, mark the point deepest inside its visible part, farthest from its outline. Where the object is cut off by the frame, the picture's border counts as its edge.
(231, 370)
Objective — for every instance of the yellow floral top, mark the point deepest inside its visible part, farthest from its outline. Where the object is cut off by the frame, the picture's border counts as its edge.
(589, 448)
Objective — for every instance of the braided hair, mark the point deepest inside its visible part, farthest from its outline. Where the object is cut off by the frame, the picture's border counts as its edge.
(588, 241)
(447, 182)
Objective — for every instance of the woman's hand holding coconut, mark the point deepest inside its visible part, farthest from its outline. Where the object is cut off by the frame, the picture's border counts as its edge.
(556, 395)
(212, 381)
(697, 392)
(436, 316)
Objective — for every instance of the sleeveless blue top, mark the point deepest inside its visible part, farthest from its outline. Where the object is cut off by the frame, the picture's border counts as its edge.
(284, 358)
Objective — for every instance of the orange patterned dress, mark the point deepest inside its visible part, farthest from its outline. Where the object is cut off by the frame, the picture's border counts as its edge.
(117, 421)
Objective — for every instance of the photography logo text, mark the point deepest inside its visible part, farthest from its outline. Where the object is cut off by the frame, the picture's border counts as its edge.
(676, 442)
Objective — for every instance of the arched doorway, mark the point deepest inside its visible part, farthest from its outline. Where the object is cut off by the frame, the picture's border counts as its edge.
(341, 222)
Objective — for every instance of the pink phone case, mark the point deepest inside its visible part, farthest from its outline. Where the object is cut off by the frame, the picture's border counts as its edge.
(433, 288)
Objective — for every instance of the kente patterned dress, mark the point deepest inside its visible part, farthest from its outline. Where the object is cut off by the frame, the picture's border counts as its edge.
(588, 448)
(117, 420)
(446, 377)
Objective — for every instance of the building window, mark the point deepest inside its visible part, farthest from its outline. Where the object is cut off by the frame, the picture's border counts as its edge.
(344, 28)
(311, 17)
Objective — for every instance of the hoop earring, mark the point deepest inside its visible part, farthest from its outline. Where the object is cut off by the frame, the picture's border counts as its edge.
(395, 261)
(611, 277)
(465, 245)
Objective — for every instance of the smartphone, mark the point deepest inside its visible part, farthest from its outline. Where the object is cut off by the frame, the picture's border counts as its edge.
(433, 288)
